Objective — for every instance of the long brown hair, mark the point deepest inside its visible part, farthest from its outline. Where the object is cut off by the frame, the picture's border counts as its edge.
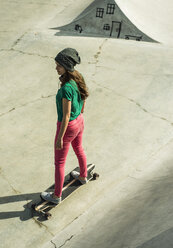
(78, 78)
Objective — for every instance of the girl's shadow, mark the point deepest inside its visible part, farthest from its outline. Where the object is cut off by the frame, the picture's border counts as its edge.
(28, 211)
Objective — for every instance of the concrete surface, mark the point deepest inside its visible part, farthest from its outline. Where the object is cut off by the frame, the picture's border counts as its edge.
(128, 134)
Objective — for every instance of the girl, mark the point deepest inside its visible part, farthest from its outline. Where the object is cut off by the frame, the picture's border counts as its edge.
(70, 101)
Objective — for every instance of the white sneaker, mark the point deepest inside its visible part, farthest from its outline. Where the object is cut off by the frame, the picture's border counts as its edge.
(76, 175)
(48, 196)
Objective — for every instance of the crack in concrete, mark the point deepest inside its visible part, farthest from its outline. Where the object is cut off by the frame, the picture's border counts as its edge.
(66, 227)
(7, 112)
(67, 240)
(23, 105)
(33, 54)
(27, 53)
(132, 72)
(136, 103)
(40, 224)
(71, 221)
(18, 40)
(37, 222)
(96, 56)
(145, 110)
(53, 244)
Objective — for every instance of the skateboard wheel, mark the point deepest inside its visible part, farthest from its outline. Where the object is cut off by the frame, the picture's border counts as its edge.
(95, 176)
(47, 216)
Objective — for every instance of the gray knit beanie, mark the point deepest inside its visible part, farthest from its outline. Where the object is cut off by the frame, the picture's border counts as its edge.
(68, 58)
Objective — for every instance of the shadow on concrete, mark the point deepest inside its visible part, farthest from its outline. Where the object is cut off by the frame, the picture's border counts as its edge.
(144, 213)
(27, 213)
(165, 239)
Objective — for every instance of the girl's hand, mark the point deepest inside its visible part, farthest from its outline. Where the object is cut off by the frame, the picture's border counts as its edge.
(59, 144)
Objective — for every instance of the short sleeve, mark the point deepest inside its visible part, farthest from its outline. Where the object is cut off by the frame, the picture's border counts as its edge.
(67, 93)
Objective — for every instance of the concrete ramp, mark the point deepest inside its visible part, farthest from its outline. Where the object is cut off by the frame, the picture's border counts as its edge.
(154, 18)
(103, 18)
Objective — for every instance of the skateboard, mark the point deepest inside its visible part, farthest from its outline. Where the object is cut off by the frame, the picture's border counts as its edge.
(70, 185)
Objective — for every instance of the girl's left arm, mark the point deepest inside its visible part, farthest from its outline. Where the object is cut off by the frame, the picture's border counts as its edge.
(65, 120)
(83, 107)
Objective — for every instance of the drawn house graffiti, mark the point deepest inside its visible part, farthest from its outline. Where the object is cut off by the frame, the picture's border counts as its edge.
(99, 12)
(110, 9)
(106, 27)
(103, 18)
(78, 28)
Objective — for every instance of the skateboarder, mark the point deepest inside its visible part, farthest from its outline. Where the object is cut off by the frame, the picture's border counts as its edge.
(70, 102)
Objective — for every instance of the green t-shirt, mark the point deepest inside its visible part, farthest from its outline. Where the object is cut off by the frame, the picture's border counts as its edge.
(70, 92)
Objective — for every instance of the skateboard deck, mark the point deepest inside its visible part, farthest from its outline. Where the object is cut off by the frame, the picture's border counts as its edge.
(70, 185)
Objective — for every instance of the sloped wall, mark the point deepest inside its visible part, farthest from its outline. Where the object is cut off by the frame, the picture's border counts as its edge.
(103, 18)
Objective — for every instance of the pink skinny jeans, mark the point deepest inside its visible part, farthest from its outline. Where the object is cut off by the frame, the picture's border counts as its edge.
(73, 136)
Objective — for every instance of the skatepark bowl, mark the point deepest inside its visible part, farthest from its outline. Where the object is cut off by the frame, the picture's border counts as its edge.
(126, 52)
